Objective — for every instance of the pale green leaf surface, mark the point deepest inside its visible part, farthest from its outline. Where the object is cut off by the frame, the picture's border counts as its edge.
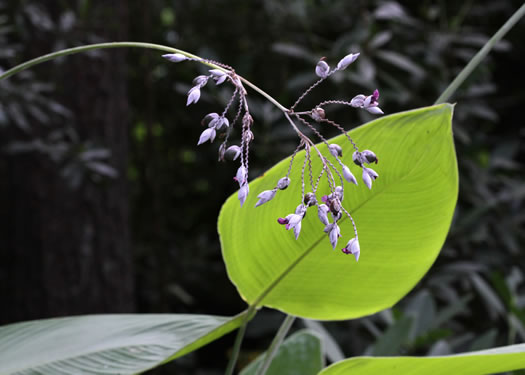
(105, 344)
(402, 224)
(490, 361)
(299, 354)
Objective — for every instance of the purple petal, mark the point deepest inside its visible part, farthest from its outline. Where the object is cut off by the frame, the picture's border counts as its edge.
(347, 60)
(297, 230)
(243, 193)
(193, 95)
(366, 179)
(375, 110)
(322, 69)
(265, 196)
(348, 175)
(208, 134)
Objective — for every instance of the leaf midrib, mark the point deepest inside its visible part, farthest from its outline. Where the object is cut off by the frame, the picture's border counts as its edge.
(302, 256)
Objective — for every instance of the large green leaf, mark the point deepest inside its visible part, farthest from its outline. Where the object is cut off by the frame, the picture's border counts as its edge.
(105, 344)
(402, 224)
(490, 361)
(299, 354)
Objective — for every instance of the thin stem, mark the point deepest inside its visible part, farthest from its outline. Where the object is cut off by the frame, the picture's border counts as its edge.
(238, 341)
(476, 60)
(276, 342)
(90, 47)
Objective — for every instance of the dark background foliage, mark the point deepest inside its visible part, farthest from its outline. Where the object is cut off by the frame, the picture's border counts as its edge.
(108, 205)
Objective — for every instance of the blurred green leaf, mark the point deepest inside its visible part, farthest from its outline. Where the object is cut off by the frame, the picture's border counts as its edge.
(106, 344)
(299, 354)
(402, 223)
(491, 361)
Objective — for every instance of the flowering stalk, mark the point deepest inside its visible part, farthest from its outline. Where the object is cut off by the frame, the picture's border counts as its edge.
(218, 123)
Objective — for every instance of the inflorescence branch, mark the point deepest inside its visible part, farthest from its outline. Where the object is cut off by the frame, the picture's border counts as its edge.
(330, 209)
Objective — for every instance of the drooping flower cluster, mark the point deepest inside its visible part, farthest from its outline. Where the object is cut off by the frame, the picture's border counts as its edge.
(330, 211)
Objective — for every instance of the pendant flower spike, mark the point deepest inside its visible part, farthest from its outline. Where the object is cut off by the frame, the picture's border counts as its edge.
(237, 112)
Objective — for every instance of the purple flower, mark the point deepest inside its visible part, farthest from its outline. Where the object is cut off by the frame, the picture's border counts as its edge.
(208, 134)
(200, 81)
(265, 196)
(243, 193)
(375, 110)
(193, 95)
(348, 175)
(209, 118)
(370, 156)
(347, 60)
(219, 76)
(357, 101)
(333, 233)
(175, 57)
(242, 175)
(283, 183)
(219, 122)
(366, 156)
(352, 247)
(293, 221)
(322, 213)
(322, 69)
(233, 152)
(300, 210)
(338, 192)
(370, 103)
(318, 114)
(335, 150)
(368, 176)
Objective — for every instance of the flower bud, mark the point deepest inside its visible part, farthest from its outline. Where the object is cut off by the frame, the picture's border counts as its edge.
(309, 199)
(357, 101)
(318, 114)
(352, 247)
(209, 118)
(200, 81)
(193, 95)
(175, 57)
(368, 176)
(232, 152)
(334, 232)
(283, 183)
(375, 110)
(222, 151)
(369, 156)
(248, 136)
(219, 76)
(348, 175)
(300, 210)
(265, 196)
(322, 213)
(322, 69)
(243, 193)
(242, 175)
(207, 135)
(338, 192)
(357, 158)
(335, 150)
(347, 60)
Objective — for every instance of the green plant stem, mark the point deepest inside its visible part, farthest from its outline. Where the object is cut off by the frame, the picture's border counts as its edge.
(276, 342)
(476, 60)
(90, 47)
(238, 341)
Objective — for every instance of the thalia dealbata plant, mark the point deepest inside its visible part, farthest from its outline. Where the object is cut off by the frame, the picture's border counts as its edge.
(330, 210)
